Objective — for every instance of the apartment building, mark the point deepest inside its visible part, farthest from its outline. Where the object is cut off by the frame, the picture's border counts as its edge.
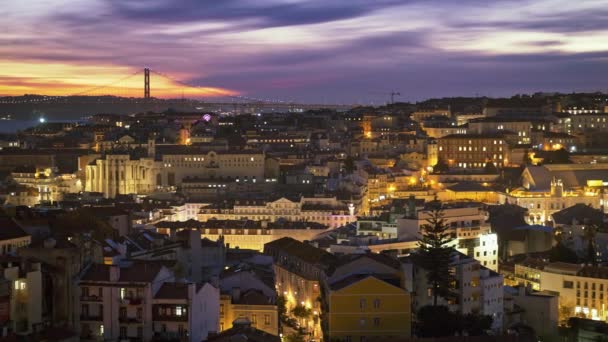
(478, 289)
(323, 210)
(245, 234)
(298, 269)
(248, 293)
(473, 151)
(365, 298)
(185, 311)
(467, 220)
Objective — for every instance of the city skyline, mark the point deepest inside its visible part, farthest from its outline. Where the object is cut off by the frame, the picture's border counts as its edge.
(309, 51)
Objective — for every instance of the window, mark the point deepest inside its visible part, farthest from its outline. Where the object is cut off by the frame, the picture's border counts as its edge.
(362, 303)
(254, 319)
(178, 311)
(123, 332)
(267, 319)
(568, 284)
(101, 329)
(123, 292)
(376, 303)
(376, 321)
(362, 322)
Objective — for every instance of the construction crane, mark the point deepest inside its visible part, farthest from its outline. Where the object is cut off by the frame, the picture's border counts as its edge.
(393, 93)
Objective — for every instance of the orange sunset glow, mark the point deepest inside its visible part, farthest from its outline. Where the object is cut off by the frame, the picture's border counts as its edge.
(62, 79)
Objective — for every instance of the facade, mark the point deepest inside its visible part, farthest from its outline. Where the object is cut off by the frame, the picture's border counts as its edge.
(116, 302)
(551, 188)
(28, 307)
(248, 292)
(298, 269)
(245, 234)
(366, 306)
(473, 151)
(467, 220)
(478, 289)
(582, 290)
(327, 211)
(117, 174)
(186, 311)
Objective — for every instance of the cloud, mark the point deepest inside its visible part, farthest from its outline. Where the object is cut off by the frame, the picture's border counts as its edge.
(312, 49)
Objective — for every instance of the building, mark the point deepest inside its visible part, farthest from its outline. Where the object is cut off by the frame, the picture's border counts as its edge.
(248, 292)
(29, 307)
(473, 151)
(364, 297)
(364, 306)
(467, 220)
(12, 236)
(245, 234)
(550, 188)
(121, 174)
(478, 289)
(117, 302)
(323, 210)
(299, 268)
(582, 290)
(186, 311)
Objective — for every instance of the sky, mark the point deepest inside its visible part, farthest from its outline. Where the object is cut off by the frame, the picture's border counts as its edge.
(321, 51)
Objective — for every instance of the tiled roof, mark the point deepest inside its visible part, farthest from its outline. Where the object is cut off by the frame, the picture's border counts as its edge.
(355, 278)
(9, 229)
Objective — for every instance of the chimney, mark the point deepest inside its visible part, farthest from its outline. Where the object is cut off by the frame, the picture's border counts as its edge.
(236, 294)
(521, 291)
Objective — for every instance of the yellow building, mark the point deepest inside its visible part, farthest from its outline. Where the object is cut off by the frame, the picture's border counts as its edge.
(362, 306)
(251, 305)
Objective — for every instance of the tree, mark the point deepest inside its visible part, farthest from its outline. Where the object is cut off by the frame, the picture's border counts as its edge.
(476, 325)
(434, 253)
(441, 166)
(349, 165)
(561, 253)
(294, 337)
(589, 236)
(490, 168)
(300, 311)
(436, 321)
(527, 159)
(282, 311)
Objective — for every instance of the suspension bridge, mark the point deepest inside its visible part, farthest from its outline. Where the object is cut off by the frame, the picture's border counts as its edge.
(152, 90)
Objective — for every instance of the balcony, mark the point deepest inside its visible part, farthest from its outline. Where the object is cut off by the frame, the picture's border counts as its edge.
(91, 318)
(130, 320)
(132, 301)
(91, 299)
(170, 318)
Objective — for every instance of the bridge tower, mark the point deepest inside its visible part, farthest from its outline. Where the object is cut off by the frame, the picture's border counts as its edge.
(146, 83)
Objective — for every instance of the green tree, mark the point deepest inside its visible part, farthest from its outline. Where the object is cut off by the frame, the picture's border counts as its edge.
(561, 253)
(476, 325)
(294, 337)
(527, 160)
(437, 321)
(589, 236)
(300, 311)
(349, 165)
(441, 166)
(490, 168)
(282, 311)
(434, 253)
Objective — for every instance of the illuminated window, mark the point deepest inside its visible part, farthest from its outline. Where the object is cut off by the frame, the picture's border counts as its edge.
(178, 311)
(123, 292)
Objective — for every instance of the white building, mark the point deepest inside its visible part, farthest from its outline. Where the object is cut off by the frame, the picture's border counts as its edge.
(327, 211)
